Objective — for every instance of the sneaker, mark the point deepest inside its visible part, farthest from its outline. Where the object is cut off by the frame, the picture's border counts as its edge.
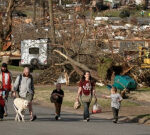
(86, 120)
(1, 119)
(114, 121)
(59, 118)
(56, 117)
(5, 114)
(33, 118)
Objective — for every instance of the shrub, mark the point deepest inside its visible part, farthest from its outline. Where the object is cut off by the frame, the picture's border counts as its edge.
(104, 66)
(124, 13)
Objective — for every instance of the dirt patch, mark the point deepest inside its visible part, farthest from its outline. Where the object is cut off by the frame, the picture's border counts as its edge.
(141, 96)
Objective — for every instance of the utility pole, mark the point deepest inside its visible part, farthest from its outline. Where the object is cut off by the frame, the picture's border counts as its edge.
(52, 27)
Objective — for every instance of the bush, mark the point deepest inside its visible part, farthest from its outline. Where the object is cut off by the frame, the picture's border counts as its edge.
(139, 7)
(103, 67)
(124, 13)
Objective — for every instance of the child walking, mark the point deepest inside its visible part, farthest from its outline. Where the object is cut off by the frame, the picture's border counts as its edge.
(58, 94)
(2, 102)
(115, 103)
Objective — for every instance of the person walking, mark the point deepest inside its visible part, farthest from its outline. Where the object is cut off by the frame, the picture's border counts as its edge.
(115, 103)
(86, 91)
(24, 88)
(58, 95)
(7, 84)
(2, 101)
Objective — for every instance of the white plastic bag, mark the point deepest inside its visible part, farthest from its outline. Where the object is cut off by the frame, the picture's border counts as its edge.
(96, 108)
(77, 105)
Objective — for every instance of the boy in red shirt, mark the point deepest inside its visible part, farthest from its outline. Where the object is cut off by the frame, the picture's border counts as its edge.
(2, 102)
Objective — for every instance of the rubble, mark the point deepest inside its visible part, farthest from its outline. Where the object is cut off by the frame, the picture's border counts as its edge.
(119, 37)
(85, 40)
(101, 18)
(75, 4)
(49, 75)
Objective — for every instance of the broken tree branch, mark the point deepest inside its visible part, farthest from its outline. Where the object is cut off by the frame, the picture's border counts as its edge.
(94, 74)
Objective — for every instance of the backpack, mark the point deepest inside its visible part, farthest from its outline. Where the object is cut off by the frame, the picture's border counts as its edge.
(20, 79)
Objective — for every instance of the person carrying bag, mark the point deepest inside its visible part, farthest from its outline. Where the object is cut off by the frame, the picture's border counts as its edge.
(57, 98)
(86, 92)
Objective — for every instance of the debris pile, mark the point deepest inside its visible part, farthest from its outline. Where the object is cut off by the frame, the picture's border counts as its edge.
(84, 42)
(49, 75)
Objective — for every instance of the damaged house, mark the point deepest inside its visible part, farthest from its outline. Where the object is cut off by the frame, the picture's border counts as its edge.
(117, 3)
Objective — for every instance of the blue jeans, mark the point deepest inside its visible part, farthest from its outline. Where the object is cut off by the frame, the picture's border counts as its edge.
(86, 113)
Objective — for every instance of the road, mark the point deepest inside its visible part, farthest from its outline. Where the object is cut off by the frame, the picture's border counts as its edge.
(71, 124)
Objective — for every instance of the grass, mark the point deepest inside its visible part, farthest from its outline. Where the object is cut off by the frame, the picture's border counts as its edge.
(146, 89)
(68, 103)
(127, 103)
(148, 116)
(19, 68)
(14, 68)
(115, 13)
(145, 115)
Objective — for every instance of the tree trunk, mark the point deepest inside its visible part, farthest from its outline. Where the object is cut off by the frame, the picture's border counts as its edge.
(8, 28)
(60, 2)
(52, 21)
(44, 12)
(146, 4)
(1, 31)
(34, 11)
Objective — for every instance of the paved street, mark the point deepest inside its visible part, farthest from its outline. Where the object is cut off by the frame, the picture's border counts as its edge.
(71, 124)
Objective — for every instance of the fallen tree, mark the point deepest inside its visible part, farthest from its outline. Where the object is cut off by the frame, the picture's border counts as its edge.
(80, 65)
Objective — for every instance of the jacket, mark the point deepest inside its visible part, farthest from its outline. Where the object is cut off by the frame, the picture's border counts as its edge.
(11, 81)
(26, 85)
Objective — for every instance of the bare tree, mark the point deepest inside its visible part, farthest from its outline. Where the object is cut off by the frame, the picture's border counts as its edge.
(52, 21)
(60, 2)
(34, 11)
(7, 25)
(1, 31)
(6, 22)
